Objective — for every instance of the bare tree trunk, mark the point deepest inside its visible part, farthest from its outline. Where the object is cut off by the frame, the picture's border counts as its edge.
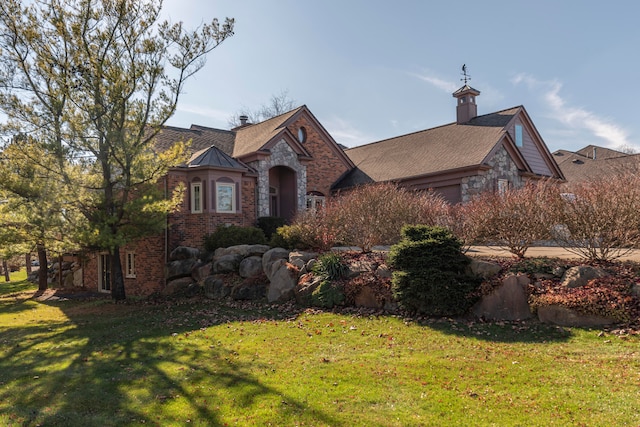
(5, 268)
(43, 271)
(117, 279)
(60, 271)
(27, 261)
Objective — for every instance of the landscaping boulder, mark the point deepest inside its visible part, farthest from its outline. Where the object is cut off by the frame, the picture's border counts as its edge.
(271, 256)
(215, 288)
(580, 275)
(283, 278)
(357, 267)
(257, 250)
(249, 291)
(228, 263)
(383, 272)
(201, 271)
(180, 268)
(302, 256)
(250, 267)
(563, 316)
(184, 252)
(506, 302)
(367, 298)
(484, 269)
(181, 287)
(242, 250)
(635, 289)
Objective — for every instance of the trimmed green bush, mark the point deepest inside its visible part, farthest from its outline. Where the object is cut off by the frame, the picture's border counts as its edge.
(270, 224)
(429, 276)
(327, 295)
(288, 237)
(234, 235)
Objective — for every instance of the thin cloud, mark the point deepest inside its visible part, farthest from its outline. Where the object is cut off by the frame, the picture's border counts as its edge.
(574, 117)
(444, 85)
(346, 134)
(211, 113)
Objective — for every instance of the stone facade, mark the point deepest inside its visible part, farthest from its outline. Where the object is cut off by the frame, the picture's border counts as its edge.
(281, 155)
(502, 167)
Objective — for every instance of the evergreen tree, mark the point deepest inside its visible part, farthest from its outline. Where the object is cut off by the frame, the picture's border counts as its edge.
(94, 81)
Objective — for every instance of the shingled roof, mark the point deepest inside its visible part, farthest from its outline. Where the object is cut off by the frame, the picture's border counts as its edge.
(214, 157)
(201, 138)
(449, 147)
(581, 166)
(252, 138)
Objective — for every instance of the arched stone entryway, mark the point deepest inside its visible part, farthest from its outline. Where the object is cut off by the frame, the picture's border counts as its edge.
(283, 201)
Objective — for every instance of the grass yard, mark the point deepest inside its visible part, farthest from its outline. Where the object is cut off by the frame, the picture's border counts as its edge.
(95, 363)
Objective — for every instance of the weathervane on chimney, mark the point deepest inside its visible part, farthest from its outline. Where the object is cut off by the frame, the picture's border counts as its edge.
(467, 77)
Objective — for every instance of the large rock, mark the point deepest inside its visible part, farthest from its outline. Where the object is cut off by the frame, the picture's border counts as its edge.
(383, 272)
(181, 287)
(200, 272)
(563, 316)
(305, 287)
(250, 267)
(249, 291)
(271, 256)
(215, 288)
(257, 250)
(242, 250)
(484, 269)
(506, 302)
(367, 298)
(580, 275)
(303, 256)
(226, 263)
(282, 281)
(184, 252)
(357, 267)
(180, 268)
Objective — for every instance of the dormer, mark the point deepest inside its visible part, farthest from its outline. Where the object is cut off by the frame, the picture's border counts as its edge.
(467, 108)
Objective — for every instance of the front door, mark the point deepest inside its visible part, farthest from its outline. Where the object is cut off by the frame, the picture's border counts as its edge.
(104, 273)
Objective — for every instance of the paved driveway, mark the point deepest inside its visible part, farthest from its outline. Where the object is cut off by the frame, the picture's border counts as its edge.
(539, 251)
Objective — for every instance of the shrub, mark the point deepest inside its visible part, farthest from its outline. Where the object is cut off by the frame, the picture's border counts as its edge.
(232, 235)
(514, 219)
(330, 266)
(430, 273)
(327, 295)
(599, 220)
(270, 224)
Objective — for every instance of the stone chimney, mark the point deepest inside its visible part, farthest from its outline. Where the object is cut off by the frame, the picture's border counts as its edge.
(467, 108)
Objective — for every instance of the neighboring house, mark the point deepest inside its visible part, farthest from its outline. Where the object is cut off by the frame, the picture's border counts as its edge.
(594, 162)
(490, 152)
(290, 163)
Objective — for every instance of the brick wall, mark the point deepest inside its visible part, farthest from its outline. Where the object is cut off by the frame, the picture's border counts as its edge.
(326, 167)
(149, 266)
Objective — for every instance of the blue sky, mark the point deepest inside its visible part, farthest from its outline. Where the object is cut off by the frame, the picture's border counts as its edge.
(371, 70)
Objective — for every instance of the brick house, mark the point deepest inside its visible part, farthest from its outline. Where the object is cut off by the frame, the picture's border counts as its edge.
(593, 162)
(471, 155)
(290, 163)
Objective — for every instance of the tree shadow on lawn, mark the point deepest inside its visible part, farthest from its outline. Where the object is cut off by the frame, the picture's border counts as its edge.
(525, 331)
(107, 361)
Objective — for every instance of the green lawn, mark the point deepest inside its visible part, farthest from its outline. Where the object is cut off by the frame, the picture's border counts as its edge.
(95, 363)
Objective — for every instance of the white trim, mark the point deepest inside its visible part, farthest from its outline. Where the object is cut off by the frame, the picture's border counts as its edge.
(225, 197)
(196, 197)
(130, 265)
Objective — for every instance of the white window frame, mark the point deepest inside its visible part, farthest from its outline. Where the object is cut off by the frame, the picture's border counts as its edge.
(223, 204)
(196, 197)
(315, 202)
(130, 265)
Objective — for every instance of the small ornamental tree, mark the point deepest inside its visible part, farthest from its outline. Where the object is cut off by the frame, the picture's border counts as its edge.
(599, 220)
(513, 219)
(429, 276)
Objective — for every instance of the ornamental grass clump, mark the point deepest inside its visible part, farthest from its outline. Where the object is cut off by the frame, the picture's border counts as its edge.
(430, 272)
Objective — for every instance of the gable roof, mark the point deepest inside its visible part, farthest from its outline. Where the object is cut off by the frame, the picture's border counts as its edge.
(581, 166)
(252, 138)
(449, 147)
